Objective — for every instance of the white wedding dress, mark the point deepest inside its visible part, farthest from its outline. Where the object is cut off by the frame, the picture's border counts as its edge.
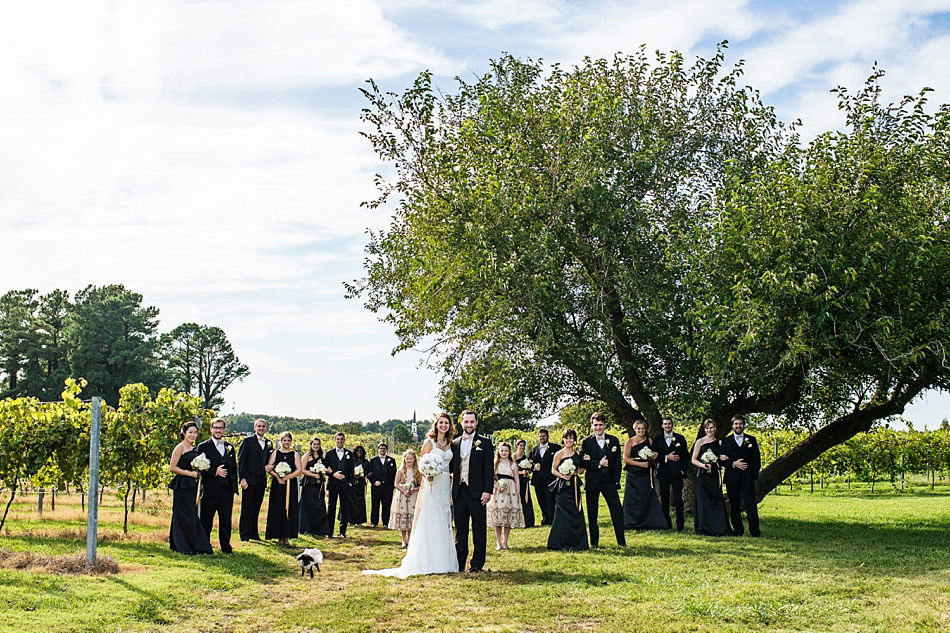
(431, 545)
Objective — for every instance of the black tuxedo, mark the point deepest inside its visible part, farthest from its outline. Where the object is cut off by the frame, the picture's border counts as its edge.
(251, 461)
(670, 474)
(468, 498)
(339, 489)
(603, 481)
(541, 478)
(740, 484)
(217, 495)
(382, 470)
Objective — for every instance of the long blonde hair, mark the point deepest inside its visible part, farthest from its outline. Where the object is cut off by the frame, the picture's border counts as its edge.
(416, 476)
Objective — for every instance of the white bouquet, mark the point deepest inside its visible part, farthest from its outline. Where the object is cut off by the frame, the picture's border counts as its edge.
(525, 464)
(646, 454)
(358, 471)
(319, 468)
(431, 465)
(708, 457)
(282, 469)
(408, 485)
(502, 485)
(201, 462)
(567, 467)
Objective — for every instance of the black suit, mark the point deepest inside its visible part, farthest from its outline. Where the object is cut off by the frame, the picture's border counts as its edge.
(382, 470)
(339, 489)
(467, 498)
(603, 481)
(740, 484)
(217, 495)
(251, 462)
(541, 478)
(670, 474)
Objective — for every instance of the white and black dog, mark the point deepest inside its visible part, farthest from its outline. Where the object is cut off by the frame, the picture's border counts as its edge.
(308, 559)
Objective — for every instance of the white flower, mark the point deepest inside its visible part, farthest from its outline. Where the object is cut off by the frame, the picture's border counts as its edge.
(408, 485)
(431, 465)
(282, 469)
(358, 470)
(318, 468)
(201, 462)
(567, 467)
(502, 485)
(708, 457)
(646, 454)
(524, 464)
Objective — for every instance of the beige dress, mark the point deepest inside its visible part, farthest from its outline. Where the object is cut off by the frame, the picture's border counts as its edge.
(504, 508)
(403, 509)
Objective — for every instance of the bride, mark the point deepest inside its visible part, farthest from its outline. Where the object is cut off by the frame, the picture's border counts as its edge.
(431, 545)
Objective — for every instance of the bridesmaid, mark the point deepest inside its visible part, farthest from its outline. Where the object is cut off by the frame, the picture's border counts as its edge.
(358, 489)
(185, 534)
(641, 507)
(313, 487)
(710, 515)
(504, 507)
(408, 481)
(283, 506)
(524, 478)
(568, 528)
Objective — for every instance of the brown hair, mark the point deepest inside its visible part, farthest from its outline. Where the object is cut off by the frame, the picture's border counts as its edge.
(310, 453)
(498, 454)
(434, 431)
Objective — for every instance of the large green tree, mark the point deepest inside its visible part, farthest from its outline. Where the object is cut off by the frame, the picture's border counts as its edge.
(649, 236)
(33, 355)
(199, 360)
(112, 340)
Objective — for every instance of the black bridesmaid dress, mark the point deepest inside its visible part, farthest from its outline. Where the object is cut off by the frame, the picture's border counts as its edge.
(710, 515)
(283, 510)
(527, 507)
(641, 507)
(357, 507)
(185, 534)
(314, 519)
(568, 528)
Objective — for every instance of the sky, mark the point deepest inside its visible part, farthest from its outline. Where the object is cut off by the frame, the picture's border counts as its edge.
(207, 154)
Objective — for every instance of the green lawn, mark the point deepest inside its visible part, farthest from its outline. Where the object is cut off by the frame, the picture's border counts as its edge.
(825, 563)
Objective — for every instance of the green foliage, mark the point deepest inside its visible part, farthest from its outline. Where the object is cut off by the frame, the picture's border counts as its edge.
(33, 359)
(497, 407)
(199, 359)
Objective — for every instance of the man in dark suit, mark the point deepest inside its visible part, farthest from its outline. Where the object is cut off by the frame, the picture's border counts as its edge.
(219, 484)
(741, 464)
(339, 463)
(672, 462)
(542, 457)
(382, 478)
(473, 481)
(601, 456)
(253, 454)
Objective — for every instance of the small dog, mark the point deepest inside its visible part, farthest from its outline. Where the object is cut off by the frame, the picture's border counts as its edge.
(308, 559)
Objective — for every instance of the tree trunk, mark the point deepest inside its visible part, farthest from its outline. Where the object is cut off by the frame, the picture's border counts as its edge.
(7, 509)
(125, 507)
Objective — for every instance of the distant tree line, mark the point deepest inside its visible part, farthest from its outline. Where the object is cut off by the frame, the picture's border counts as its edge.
(105, 335)
(244, 423)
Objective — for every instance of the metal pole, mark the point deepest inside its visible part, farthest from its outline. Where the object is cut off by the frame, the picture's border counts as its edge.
(92, 513)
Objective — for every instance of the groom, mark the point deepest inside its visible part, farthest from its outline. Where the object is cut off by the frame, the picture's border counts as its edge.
(472, 484)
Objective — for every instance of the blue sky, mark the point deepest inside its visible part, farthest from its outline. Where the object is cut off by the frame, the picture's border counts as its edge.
(206, 154)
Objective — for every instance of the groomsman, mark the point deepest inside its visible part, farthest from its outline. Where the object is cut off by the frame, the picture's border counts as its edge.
(672, 463)
(339, 463)
(219, 484)
(542, 456)
(253, 454)
(472, 484)
(602, 458)
(741, 461)
(382, 478)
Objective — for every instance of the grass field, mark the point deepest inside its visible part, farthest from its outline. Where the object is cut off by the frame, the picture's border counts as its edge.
(826, 562)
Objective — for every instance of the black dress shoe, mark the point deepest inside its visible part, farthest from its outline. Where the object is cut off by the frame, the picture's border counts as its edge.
(472, 570)
(227, 551)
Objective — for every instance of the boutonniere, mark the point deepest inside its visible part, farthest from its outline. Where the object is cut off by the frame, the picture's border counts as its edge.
(478, 442)
(746, 442)
(614, 449)
(268, 443)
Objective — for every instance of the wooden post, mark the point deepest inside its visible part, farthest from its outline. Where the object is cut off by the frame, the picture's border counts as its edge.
(92, 516)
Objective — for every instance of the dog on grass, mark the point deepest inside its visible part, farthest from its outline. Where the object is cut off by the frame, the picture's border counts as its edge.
(308, 559)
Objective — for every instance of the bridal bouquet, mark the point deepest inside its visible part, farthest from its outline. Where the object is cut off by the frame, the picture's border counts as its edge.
(282, 469)
(525, 464)
(646, 454)
(502, 485)
(431, 465)
(567, 467)
(201, 462)
(708, 457)
(358, 471)
(318, 468)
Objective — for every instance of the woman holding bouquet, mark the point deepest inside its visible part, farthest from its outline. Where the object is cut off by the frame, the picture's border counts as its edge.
(431, 549)
(641, 507)
(313, 487)
(568, 528)
(504, 508)
(408, 481)
(524, 480)
(710, 515)
(358, 489)
(283, 507)
(185, 534)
